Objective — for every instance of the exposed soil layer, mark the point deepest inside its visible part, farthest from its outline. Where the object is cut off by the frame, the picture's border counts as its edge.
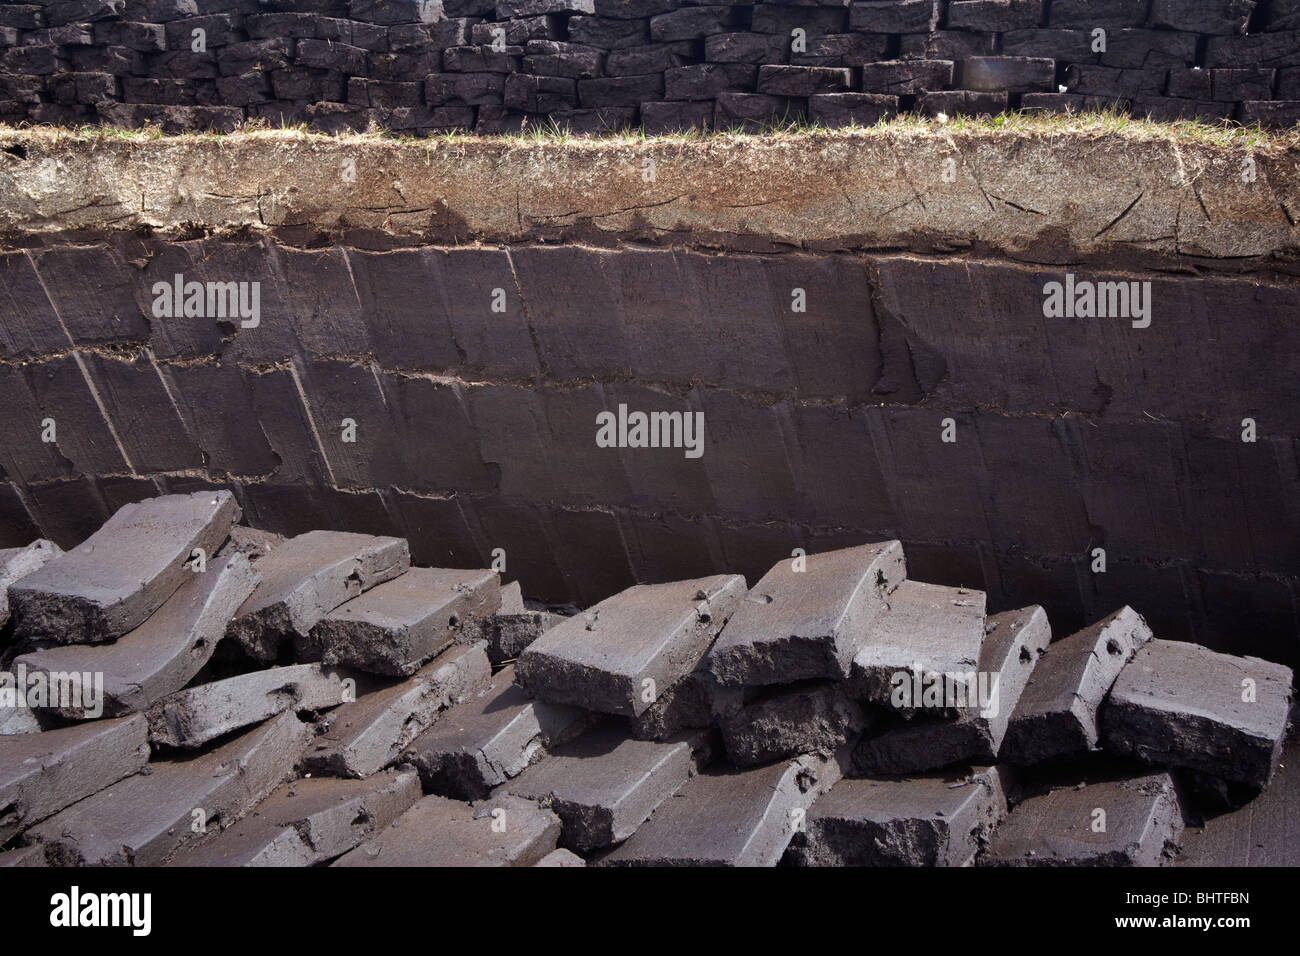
(1042, 197)
(471, 307)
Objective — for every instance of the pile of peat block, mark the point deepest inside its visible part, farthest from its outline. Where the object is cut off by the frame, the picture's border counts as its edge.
(183, 690)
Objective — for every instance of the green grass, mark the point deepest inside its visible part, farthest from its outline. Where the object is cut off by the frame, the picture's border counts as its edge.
(1104, 122)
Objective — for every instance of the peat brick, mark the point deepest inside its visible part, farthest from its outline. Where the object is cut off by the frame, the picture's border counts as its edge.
(1014, 74)
(305, 578)
(245, 89)
(731, 817)
(32, 60)
(1281, 114)
(311, 26)
(422, 119)
(220, 29)
(1057, 713)
(651, 58)
(382, 94)
(1074, 46)
(1180, 705)
(608, 34)
(695, 702)
(371, 733)
(503, 831)
(802, 80)
(595, 121)
(539, 94)
(1190, 84)
(328, 55)
(620, 90)
(124, 572)
(937, 820)
(783, 20)
(690, 23)
(811, 622)
(309, 822)
(620, 655)
(1058, 828)
(906, 76)
(1231, 85)
(754, 111)
(272, 54)
(405, 67)
(672, 117)
(41, 774)
(746, 48)
(425, 37)
(171, 119)
(851, 109)
(603, 785)
(1090, 14)
(399, 625)
(69, 11)
(1013, 643)
(573, 60)
(483, 742)
(145, 819)
(1148, 50)
(309, 85)
(16, 563)
(515, 32)
(705, 81)
(839, 49)
(192, 717)
(164, 653)
(961, 103)
(18, 718)
(513, 627)
(929, 638)
(994, 16)
(390, 12)
(482, 59)
(817, 716)
(22, 16)
(1202, 16)
(894, 16)
(1105, 81)
(946, 45)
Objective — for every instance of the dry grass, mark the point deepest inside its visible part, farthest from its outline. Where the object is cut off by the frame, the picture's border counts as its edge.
(1108, 122)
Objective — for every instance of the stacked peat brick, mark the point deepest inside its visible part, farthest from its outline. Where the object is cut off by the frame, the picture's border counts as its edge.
(176, 656)
(217, 696)
(818, 689)
(419, 66)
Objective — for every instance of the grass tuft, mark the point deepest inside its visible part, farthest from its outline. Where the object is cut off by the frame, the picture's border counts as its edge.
(1108, 121)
